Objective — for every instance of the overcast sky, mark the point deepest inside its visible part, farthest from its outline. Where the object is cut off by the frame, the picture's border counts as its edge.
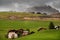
(22, 5)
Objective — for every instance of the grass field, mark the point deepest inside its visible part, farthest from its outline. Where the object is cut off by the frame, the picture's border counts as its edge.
(6, 25)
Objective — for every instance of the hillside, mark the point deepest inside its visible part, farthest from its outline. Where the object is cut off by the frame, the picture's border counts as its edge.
(28, 16)
(19, 15)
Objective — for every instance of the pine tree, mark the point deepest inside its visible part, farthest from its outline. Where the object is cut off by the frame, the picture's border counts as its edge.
(51, 25)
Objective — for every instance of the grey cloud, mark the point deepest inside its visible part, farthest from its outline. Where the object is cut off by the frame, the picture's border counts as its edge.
(56, 4)
(22, 5)
(29, 2)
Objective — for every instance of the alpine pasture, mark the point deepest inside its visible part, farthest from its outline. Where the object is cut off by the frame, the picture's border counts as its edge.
(33, 25)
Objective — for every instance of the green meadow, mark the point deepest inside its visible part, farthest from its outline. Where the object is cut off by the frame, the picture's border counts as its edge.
(33, 25)
(6, 25)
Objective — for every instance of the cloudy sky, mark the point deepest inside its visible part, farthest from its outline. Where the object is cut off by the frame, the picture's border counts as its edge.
(22, 5)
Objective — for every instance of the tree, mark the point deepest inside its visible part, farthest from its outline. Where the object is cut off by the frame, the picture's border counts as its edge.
(33, 12)
(38, 13)
(45, 13)
(51, 25)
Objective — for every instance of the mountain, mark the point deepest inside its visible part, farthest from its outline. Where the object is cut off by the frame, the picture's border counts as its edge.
(43, 9)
